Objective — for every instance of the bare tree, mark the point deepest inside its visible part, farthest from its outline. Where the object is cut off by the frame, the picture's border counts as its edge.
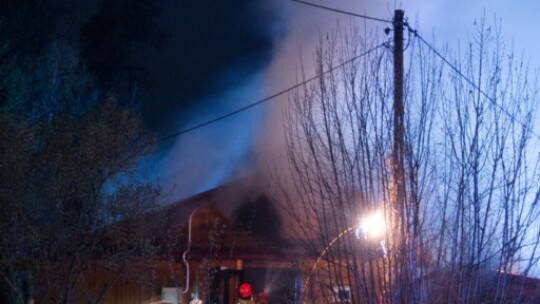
(467, 215)
(489, 186)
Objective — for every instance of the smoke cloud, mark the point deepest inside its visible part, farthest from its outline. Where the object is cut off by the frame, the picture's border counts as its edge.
(252, 143)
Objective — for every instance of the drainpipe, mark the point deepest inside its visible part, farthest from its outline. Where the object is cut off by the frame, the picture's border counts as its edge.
(184, 255)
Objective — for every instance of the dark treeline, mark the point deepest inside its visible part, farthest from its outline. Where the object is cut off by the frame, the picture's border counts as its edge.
(72, 145)
(58, 56)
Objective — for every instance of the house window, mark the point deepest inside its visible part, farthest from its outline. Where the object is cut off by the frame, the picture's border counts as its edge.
(341, 294)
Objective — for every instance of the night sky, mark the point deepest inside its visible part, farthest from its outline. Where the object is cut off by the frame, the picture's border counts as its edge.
(265, 51)
(203, 41)
(192, 61)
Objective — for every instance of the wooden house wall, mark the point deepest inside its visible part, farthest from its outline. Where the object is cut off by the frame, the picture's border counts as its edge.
(216, 243)
(137, 284)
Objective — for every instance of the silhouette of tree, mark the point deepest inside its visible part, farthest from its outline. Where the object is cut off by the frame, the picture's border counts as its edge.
(64, 181)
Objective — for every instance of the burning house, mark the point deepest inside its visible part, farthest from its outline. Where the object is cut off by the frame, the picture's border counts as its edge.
(207, 245)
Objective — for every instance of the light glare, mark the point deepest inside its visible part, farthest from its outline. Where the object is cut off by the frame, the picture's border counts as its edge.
(373, 226)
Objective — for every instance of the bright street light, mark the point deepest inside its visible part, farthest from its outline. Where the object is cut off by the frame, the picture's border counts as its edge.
(373, 225)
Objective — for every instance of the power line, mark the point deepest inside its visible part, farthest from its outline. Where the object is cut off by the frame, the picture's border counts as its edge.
(469, 81)
(341, 11)
(261, 101)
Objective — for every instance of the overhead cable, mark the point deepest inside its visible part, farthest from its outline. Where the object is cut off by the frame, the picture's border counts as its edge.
(471, 83)
(341, 11)
(261, 101)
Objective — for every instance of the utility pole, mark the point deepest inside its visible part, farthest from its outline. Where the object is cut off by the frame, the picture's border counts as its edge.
(399, 128)
(402, 279)
(398, 90)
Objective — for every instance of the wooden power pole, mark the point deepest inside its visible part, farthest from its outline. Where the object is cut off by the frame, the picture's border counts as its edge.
(398, 89)
(402, 273)
(399, 128)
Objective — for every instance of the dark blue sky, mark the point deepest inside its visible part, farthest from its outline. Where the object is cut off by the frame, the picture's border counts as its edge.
(204, 40)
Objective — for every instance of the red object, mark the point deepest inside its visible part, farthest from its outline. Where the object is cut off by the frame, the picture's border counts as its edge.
(245, 291)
